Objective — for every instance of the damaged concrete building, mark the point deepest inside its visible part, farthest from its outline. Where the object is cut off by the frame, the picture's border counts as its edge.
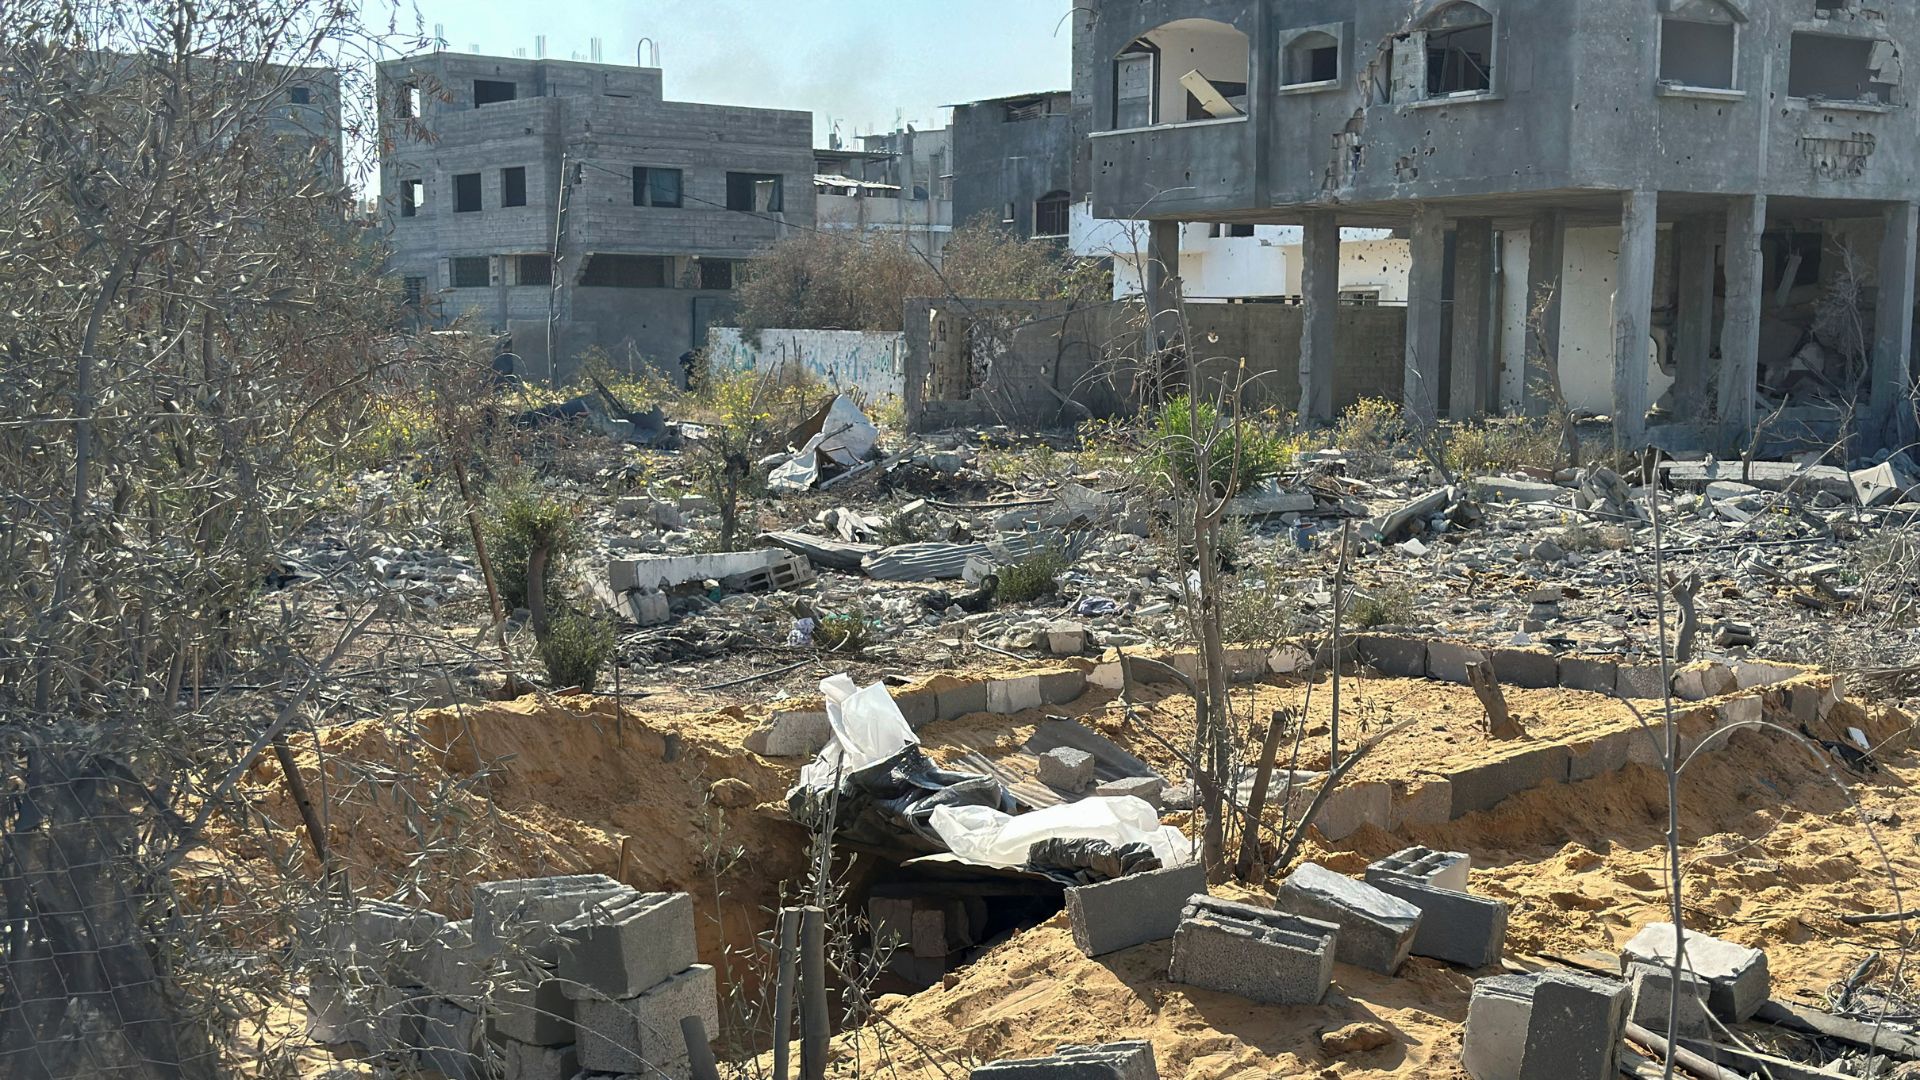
(569, 205)
(1683, 211)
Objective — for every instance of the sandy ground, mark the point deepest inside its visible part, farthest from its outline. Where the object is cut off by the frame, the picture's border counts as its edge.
(1774, 850)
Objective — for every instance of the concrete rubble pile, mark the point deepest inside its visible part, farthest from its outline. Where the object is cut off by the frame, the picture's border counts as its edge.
(551, 978)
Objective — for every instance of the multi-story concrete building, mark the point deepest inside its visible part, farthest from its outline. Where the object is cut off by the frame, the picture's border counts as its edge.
(1633, 196)
(1013, 163)
(570, 205)
(896, 184)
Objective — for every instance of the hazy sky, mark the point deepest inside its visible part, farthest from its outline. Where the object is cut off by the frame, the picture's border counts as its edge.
(862, 63)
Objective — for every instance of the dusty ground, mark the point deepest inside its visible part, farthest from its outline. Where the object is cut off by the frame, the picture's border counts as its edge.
(1774, 854)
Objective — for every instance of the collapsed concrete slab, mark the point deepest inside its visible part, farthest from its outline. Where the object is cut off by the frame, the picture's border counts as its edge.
(1131, 1060)
(1737, 976)
(642, 1034)
(657, 572)
(1260, 954)
(1376, 928)
(1112, 915)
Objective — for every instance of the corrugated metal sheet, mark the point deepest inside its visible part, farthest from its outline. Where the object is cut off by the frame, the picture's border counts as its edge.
(1019, 770)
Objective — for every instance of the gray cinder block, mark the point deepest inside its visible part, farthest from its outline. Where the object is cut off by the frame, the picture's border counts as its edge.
(511, 1060)
(449, 1041)
(453, 966)
(1067, 769)
(1132, 910)
(1146, 788)
(1496, 1032)
(499, 907)
(1447, 662)
(1376, 929)
(1260, 954)
(1737, 978)
(1525, 668)
(1485, 786)
(1110, 1061)
(1454, 926)
(1574, 1029)
(625, 946)
(1394, 657)
(1651, 989)
(1440, 869)
(1589, 675)
(642, 1034)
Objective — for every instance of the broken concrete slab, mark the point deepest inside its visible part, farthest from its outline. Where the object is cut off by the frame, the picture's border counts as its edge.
(828, 554)
(1390, 525)
(1148, 789)
(1767, 475)
(1880, 485)
(1112, 915)
(622, 947)
(657, 572)
(1510, 489)
(1109, 1061)
(1267, 498)
(1737, 976)
(1376, 928)
(1260, 954)
(1455, 925)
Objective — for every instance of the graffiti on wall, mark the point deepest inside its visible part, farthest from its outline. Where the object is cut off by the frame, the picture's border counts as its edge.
(864, 363)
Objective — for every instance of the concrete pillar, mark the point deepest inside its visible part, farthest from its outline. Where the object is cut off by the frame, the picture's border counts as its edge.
(1740, 330)
(1472, 384)
(1696, 248)
(1163, 281)
(1893, 326)
(1546, 255)
(1633, 314)
(1424, 281)
(1320, 311)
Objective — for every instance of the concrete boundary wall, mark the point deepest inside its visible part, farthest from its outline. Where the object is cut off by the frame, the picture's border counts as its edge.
(867, 362)
(1716, 697)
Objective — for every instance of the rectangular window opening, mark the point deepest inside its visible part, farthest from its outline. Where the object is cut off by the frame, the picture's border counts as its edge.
(625, 271)
(1697, 53)
(1831, 68)
(471, 272)
(1313, 57)
(758, 192)
(406, 102)
(655, 186)
(513, 186)
(1460, 60)
(533, 270)
(466, 193)
(716, 274)
(413, 195)
(300, 95)
(489, 91)
(416, 290)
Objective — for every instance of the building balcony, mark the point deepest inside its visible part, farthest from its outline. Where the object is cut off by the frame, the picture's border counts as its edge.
(1174, 170)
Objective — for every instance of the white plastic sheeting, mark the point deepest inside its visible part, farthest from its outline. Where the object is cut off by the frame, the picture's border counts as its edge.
(986, 836)
(845, 437)
(867, 728)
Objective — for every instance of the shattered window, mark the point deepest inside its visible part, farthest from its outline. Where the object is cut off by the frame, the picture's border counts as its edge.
(1827, 67)
(1460, 61)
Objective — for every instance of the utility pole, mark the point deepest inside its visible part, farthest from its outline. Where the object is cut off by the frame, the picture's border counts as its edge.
(560, 200)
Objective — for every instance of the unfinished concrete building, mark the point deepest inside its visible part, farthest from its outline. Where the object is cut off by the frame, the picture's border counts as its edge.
(897, 184)
(1701, 203)
(1013, 161)
(570, 205)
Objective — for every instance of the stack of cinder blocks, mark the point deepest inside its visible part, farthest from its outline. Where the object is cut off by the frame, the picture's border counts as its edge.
(1547, 1026)
(1454, 925)
(1110, 1061)
(551, 976)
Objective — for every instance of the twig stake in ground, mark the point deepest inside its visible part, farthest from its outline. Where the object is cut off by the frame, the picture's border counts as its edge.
(1500, 722)
(1250, 863)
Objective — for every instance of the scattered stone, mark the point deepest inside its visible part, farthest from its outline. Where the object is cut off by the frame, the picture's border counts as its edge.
(1355, 1039)
(732, 792)
(1067, 769)
(1066, 638)
(1546, 551)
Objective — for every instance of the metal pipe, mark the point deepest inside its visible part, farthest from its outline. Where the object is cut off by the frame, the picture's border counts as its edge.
(815, 1029)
